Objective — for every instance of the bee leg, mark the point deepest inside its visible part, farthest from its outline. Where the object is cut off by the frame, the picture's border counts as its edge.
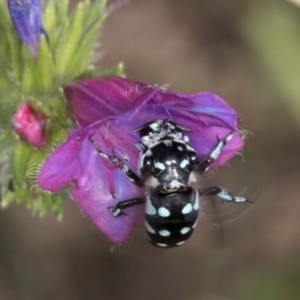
(203, 166)
(135, 179)
(117, 210)
(224, 194)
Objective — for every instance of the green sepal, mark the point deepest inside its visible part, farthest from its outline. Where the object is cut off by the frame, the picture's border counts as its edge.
(85, 50)
(117, 69)
(59, 203)
(45, 65)
(70, 39)
(15, 54)
(95, 12)
(61, 13)
(20, 161)
(49, 21)
(30, 76)
(4, 14)
(5, 138)
(8, 198)
(46, 202)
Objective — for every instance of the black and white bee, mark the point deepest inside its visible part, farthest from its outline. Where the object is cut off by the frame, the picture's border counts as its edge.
(168, 166)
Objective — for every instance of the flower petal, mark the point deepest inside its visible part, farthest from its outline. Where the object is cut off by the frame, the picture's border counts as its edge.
(93, 99)
(92, 195)
(62, 166)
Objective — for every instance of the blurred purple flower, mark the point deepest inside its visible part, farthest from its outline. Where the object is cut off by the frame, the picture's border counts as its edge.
(109, 109)
(30, 126)
(27, 19)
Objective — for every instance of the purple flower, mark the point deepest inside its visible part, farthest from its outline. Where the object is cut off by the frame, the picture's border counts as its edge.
(109, 109)
(30, 126)
(27, 20)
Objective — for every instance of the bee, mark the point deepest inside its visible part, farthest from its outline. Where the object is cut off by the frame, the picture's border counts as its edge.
(168, 167)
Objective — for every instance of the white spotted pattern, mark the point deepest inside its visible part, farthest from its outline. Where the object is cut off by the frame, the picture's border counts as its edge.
(216, 152)
(184, 163)
(225, 195)
(195, 224)
(180, 243)
(186, 139)
(164, 232)
(229, 137)
(117, 212)
(187, 209)
(149, 228)
(150, 209)
(161, 245)
(239, 199)
(154, 126)
(164, 212)
(185, 230)
(174, 184)
(196, 204)
(160, 166)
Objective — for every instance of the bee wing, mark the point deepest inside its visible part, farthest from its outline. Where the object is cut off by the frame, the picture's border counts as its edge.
(209, 223)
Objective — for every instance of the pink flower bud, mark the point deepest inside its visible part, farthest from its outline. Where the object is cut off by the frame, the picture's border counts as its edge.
(30, 125)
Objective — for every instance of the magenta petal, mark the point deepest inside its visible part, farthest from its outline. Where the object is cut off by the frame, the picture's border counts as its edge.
(92, 195)
(61, 166)
(93, 99)
(192, 111)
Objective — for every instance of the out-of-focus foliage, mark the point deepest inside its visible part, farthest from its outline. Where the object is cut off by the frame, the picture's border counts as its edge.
(271, 29)
(64, 54)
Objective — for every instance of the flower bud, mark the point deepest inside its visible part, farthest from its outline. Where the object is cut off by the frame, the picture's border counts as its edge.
(30, 126)
(27, 19)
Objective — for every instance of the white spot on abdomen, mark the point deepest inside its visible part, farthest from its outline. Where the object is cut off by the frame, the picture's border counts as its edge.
(164, 232)
(148, 227)
(187, 209)
(195, 224)
(196, 204)
(180, 243)
(161, 245)
(185, 230)
(150, 209)
(164, 212)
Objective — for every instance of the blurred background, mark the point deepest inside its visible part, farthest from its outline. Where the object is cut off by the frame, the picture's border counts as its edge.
(248, 52)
